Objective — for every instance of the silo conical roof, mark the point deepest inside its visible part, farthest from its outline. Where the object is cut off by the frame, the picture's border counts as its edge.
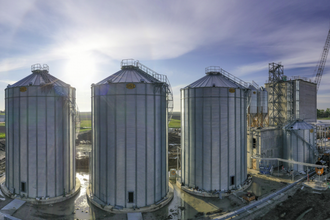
(129, 74)
(39, 77)
(298, 125)
(217, 77)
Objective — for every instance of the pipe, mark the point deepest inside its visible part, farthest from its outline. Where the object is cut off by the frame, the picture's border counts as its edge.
(255, 204)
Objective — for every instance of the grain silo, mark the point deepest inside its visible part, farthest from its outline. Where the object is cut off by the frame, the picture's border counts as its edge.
(130, 122)
(299, 144)
(213, 123)
(40, 136)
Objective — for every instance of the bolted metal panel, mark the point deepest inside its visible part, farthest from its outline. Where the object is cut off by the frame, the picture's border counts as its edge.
(299, 143)
(133, 114)
(213, 135)
(39, 123)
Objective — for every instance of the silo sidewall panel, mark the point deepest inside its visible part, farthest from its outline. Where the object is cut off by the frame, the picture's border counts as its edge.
(232, 137)
(215, 133)
(131, 144)
(50, 148)
(183, 144)
(32, 121)
(142, 177)
(238, 134)
(199, 136)
(224, 111)
(120, 145)
(192, 133)
(16, 140)
(150, 145)
(23, 136)
(207, 141)
(111, 159)
(59, 123)
(186, 138)
(158, 147)
(102, 147)
(41, 144)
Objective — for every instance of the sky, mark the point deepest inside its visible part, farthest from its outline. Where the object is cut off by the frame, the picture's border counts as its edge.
(84, 41)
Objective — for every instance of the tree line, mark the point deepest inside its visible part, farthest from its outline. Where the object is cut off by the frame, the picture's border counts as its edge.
(321, 113)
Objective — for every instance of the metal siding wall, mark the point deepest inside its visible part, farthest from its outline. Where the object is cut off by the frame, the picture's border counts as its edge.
(207, 141)
(224, 151)
(41, 146)
(141, 147)
(50, 147)
(102, 148)
(7, 121)
(198, 139)
(130, 145)
(192, 132)
(239, 134)
(120, 147)
(111, 162)
(186, 138)
(96, 144)
(16, 141)
(23, 138)
(158, 146)
(32, 128)
(150, 146)
(59, 146)
(215, 131)
(183, 144)
(232, 138)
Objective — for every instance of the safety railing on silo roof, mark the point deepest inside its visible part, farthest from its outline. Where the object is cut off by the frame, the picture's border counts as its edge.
(227, 75)
(160, 77)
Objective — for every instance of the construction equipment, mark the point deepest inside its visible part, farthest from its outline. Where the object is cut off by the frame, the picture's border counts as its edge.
(320, 66)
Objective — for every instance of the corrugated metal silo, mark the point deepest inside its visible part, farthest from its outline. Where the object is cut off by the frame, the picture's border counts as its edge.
(40, 135)
(299, 143)
(130, 123)
(253, 93)
(213, 123)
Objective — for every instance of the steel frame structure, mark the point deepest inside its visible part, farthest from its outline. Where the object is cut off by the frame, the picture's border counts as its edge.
(275, 96)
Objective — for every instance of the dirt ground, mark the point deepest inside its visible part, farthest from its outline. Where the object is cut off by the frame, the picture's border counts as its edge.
(301, 204)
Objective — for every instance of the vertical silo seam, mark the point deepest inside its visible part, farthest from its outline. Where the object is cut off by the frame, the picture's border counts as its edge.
(46, 150)
(37, 153)
(115, 147)
(106, 150)
(219, 122)
(195, 117)
(146, 144)
(228, 152)
(136, 141)
(235, 118)
(188, 138)
(155, 147)
(55, 148)
(19, 149)
(202, 141)
(211, 140)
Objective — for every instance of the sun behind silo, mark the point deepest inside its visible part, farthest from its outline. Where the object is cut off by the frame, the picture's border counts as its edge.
(40, 136)
(213, 123)
(130, 123)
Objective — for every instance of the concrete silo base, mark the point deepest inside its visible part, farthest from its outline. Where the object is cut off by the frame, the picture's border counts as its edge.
(207, 194)
(101, 205)
(41, 201)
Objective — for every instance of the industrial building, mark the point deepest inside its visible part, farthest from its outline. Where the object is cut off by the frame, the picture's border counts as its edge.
(291, 109)
(130, 123)
(40, 128)
(213, 124)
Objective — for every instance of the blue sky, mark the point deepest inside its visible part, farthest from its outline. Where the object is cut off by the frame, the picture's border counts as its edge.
(84, 41)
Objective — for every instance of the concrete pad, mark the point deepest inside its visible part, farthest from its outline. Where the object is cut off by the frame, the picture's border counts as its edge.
(12, 207)
(134, 216)
(320, 186)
